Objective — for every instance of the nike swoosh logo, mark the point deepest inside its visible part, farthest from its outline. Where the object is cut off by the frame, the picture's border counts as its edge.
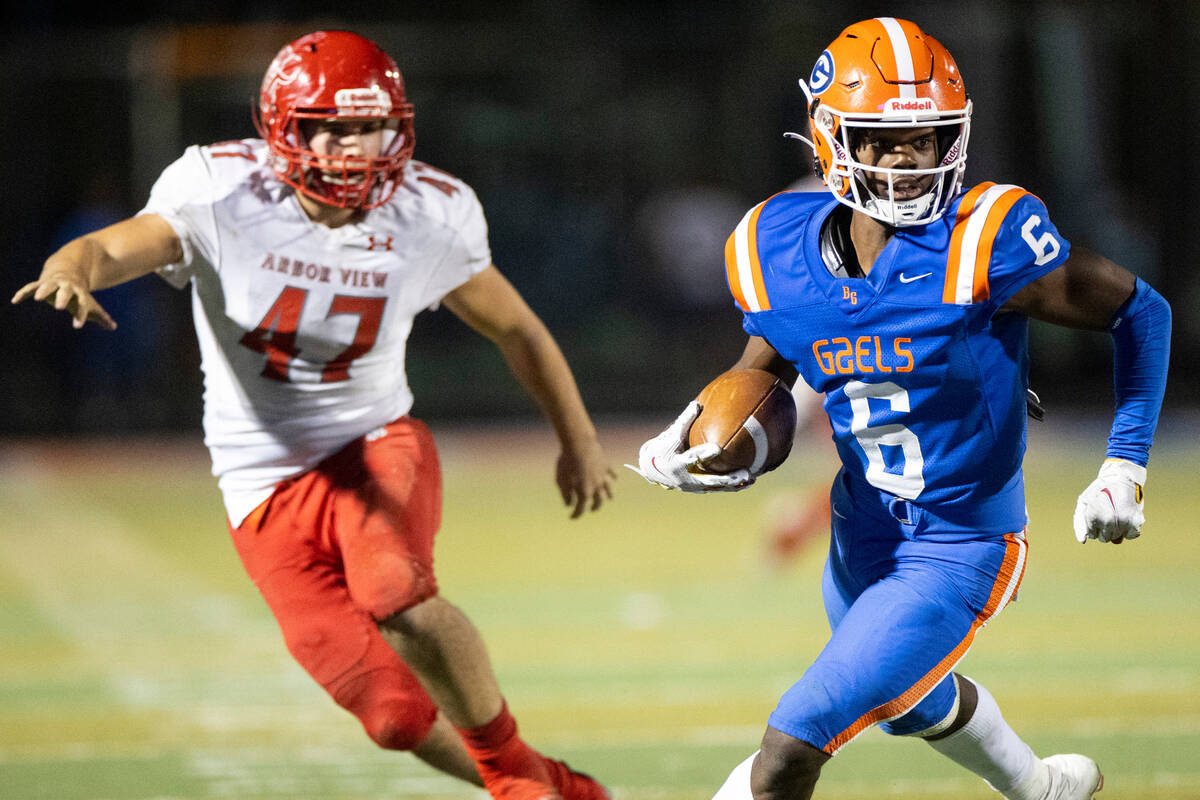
(905, 279)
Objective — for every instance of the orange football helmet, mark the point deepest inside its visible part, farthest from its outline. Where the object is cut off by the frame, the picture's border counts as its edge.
(330, 75)
(887, 73)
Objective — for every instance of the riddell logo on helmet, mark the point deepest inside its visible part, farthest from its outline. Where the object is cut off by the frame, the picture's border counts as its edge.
(362, 102)
(952, 153)
(916, 105)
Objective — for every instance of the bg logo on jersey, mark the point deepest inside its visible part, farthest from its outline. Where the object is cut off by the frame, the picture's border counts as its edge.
(822, 74)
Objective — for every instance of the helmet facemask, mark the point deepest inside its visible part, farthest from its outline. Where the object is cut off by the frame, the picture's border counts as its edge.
(834, 144)
(354, 181)
(886, 75)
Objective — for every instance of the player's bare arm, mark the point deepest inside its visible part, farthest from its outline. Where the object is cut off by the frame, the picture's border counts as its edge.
(490, 305)
(1089, 292)
(116, 254)
(1085, 292)
(759, 354)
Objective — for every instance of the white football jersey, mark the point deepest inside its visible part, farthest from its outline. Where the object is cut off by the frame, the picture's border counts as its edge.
(302, 328)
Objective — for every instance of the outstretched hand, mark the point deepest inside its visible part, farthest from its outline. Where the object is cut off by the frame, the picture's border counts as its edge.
(66, 293)
(584, 478)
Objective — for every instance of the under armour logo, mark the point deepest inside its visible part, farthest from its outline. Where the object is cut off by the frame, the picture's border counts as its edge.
(386, 244)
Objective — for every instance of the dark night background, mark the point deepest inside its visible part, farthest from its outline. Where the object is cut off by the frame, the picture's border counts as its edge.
(614, 145)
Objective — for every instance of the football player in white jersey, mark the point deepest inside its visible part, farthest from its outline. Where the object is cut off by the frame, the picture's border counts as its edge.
(309, 251)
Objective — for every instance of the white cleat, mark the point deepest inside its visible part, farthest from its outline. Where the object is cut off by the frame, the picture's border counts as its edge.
(1072, 777)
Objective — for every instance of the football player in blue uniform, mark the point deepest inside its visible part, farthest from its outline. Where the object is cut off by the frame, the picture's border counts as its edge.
(905, 301)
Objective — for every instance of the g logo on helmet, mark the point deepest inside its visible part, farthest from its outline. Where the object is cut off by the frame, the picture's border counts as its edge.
(822, 74)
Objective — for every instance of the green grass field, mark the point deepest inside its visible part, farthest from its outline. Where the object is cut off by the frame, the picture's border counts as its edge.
(645, 644)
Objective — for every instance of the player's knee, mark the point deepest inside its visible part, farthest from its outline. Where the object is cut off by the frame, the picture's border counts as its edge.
(392, 728)
(931, 714)
(395, 719)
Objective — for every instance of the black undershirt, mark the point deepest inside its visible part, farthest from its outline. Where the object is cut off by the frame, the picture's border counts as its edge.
(836, 244)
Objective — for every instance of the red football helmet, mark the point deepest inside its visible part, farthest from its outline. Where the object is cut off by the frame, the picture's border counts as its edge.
(330, 75)
(887, 73)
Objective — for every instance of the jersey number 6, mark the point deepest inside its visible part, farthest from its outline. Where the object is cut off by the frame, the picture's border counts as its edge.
(275, 335)
(1045, 247)
(910, 481)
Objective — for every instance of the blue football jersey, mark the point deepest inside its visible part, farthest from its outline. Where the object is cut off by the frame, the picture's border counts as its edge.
(924, 378)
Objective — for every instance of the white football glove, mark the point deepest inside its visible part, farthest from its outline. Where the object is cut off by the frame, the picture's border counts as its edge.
(664, 460)
(1110, 509)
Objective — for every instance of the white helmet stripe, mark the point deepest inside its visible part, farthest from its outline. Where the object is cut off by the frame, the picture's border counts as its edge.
(904, 62)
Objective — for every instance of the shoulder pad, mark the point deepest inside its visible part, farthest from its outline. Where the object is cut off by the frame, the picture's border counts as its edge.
(977, 222)
(743, 269)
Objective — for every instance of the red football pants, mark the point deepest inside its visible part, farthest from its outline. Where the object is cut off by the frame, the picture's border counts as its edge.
(341, 546)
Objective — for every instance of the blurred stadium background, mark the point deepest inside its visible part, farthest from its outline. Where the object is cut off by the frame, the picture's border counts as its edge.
(613, 144)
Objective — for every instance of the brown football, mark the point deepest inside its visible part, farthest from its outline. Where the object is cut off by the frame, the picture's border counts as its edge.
(751, 414)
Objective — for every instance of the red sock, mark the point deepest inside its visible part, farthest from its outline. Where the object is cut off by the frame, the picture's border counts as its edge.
(491, 735)
(500, 753)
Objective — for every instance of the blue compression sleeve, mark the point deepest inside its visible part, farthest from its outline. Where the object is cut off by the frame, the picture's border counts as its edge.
(1141, 331)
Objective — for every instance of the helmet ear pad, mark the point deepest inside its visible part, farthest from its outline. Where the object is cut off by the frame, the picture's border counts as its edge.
(826, 130)
(820, 165)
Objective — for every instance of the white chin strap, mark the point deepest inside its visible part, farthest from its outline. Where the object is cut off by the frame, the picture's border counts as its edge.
(902, 212)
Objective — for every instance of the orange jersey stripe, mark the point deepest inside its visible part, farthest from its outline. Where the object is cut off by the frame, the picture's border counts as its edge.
(742, 267)
(1012, 570)
(760, 290)
(991, 226)
(956, 238)
(731, 273)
